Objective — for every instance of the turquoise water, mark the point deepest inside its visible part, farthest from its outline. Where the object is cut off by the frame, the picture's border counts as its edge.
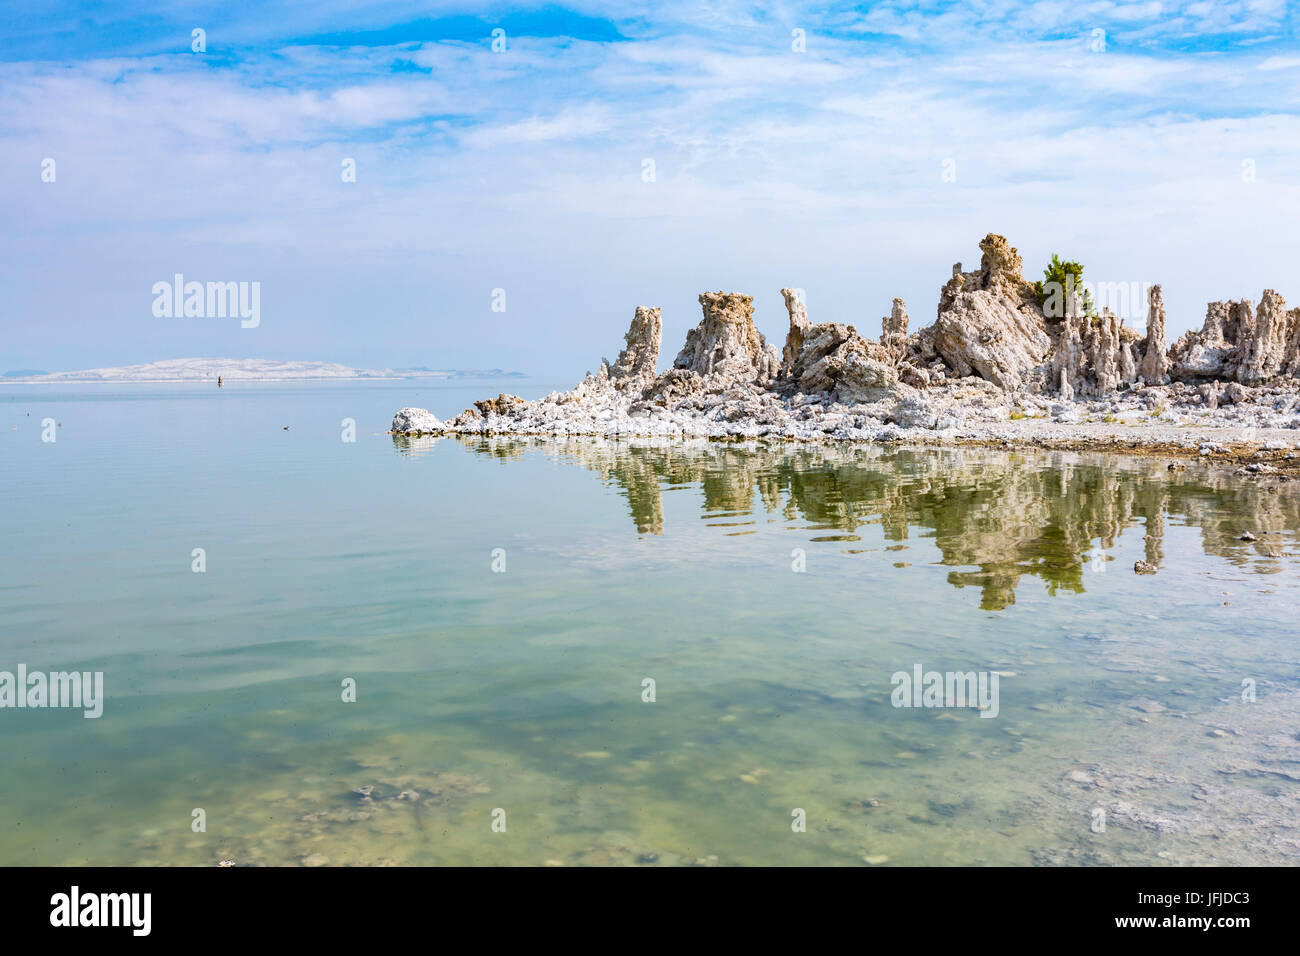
(520, 689)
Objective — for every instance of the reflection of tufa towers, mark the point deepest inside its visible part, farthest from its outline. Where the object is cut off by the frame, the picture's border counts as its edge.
(994, 516)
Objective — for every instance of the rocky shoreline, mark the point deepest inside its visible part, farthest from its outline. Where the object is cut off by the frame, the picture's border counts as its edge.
(997, 367)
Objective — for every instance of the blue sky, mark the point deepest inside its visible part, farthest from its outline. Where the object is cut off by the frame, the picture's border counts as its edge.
(1167, 154)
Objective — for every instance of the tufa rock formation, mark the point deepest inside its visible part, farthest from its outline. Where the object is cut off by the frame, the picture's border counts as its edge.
(1200, 355)
(989, 321)
(836, 360)
(500, 405)
(1093, 355)
(415, 421)
(637, 365)
(1154, 367)
(990, 337)
(1266, 342)
(726, 345)
(893, 332)
(798, 328)
(1239, 344)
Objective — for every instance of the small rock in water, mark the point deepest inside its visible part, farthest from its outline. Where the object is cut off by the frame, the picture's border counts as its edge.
(1247, 536)
(1150, 707)
(1087, 779)
(316, 859)
(1142, 567)
(876, 860)
(415, 421)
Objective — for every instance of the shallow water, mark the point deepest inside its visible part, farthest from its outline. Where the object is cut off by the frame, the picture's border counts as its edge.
(520, 689)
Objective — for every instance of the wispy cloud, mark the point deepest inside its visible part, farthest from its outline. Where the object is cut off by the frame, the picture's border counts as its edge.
(818, 166)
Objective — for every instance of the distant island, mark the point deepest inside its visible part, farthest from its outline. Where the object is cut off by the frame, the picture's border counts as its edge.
(242, 370)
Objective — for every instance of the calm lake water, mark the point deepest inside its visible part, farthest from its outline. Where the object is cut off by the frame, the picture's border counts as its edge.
(499, 604)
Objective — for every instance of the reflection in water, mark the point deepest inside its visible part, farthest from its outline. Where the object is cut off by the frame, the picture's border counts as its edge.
(634, 560)
(996, 515)
(523, 690)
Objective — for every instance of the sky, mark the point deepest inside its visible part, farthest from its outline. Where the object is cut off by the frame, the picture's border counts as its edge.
(609, 155)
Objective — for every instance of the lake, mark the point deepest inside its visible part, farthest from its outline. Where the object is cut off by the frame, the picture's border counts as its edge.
(586, 651)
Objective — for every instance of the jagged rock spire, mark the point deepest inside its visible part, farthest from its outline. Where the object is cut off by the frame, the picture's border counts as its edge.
(893, 331)
(1155, 360)
(638, 363)
(989, 321)
(726, 344)
(1240, 344)
(798, 328)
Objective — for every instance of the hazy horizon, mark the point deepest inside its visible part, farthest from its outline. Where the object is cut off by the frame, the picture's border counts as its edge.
(187, 363)
(853, 154)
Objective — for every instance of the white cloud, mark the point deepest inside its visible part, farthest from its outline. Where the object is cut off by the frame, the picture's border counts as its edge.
(824, 164)
(1280, 63)
(567, 124)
